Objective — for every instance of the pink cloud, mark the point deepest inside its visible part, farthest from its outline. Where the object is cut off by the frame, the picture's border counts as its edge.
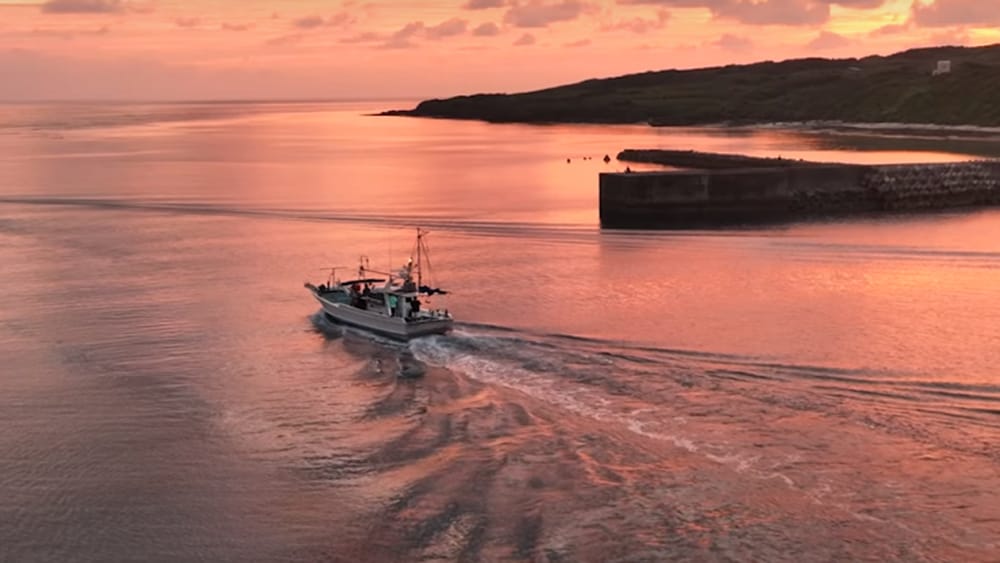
(828, 40)
(943, 13)
(283, 40)
(69, 34)
(765, 12)
(487, 29)
(404, 37)
(83, 6)
(891, 29)
(858, 4)
(640, 25)
(409, 30)
(777, 12)
(401, 38)
(483, 4)
(538, 13)
(734, 43)
(950, 37)
(341, 19)
(449, 28)
(364, 37)
(526, 39)
(308, 22)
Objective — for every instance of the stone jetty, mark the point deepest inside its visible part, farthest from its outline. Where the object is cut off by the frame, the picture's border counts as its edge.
(719, 190)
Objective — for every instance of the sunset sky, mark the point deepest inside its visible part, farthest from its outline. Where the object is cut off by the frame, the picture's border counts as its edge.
(207, 49)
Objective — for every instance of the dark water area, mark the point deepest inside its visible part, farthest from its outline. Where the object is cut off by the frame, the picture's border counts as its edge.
(169, 392)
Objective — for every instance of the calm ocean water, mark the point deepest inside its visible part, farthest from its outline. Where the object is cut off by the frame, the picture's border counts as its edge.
(169, 392)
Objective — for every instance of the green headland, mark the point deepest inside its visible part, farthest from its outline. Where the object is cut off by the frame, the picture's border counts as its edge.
(934, 86)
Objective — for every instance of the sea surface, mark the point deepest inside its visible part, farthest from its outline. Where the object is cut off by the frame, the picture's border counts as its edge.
(819, 391)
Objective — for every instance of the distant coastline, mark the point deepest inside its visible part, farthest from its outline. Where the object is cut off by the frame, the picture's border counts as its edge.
(921, 88)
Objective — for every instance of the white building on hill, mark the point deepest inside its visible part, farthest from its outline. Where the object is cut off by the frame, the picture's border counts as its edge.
(943, 67)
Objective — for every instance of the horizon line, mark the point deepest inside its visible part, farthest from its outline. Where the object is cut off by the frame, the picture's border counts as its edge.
(209, 100)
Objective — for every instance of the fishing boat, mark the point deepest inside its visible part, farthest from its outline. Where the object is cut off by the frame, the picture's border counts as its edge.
(389, 304)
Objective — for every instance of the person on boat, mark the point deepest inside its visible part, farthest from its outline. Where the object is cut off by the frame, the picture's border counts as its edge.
(414, 308)
(356, 299)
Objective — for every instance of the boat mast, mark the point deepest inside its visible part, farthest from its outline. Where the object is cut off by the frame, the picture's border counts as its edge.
(419, 269)
(362, 266)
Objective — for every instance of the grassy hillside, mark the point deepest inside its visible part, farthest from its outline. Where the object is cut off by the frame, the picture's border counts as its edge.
(898, 88)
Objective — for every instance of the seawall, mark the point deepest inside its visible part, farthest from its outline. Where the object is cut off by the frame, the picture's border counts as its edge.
(707, 160)
(719, 197)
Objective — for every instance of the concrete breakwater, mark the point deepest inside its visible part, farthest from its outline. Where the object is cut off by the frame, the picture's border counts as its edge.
(767, 193)
(707, 160)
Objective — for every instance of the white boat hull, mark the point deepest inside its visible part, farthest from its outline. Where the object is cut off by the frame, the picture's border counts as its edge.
(393, 327)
